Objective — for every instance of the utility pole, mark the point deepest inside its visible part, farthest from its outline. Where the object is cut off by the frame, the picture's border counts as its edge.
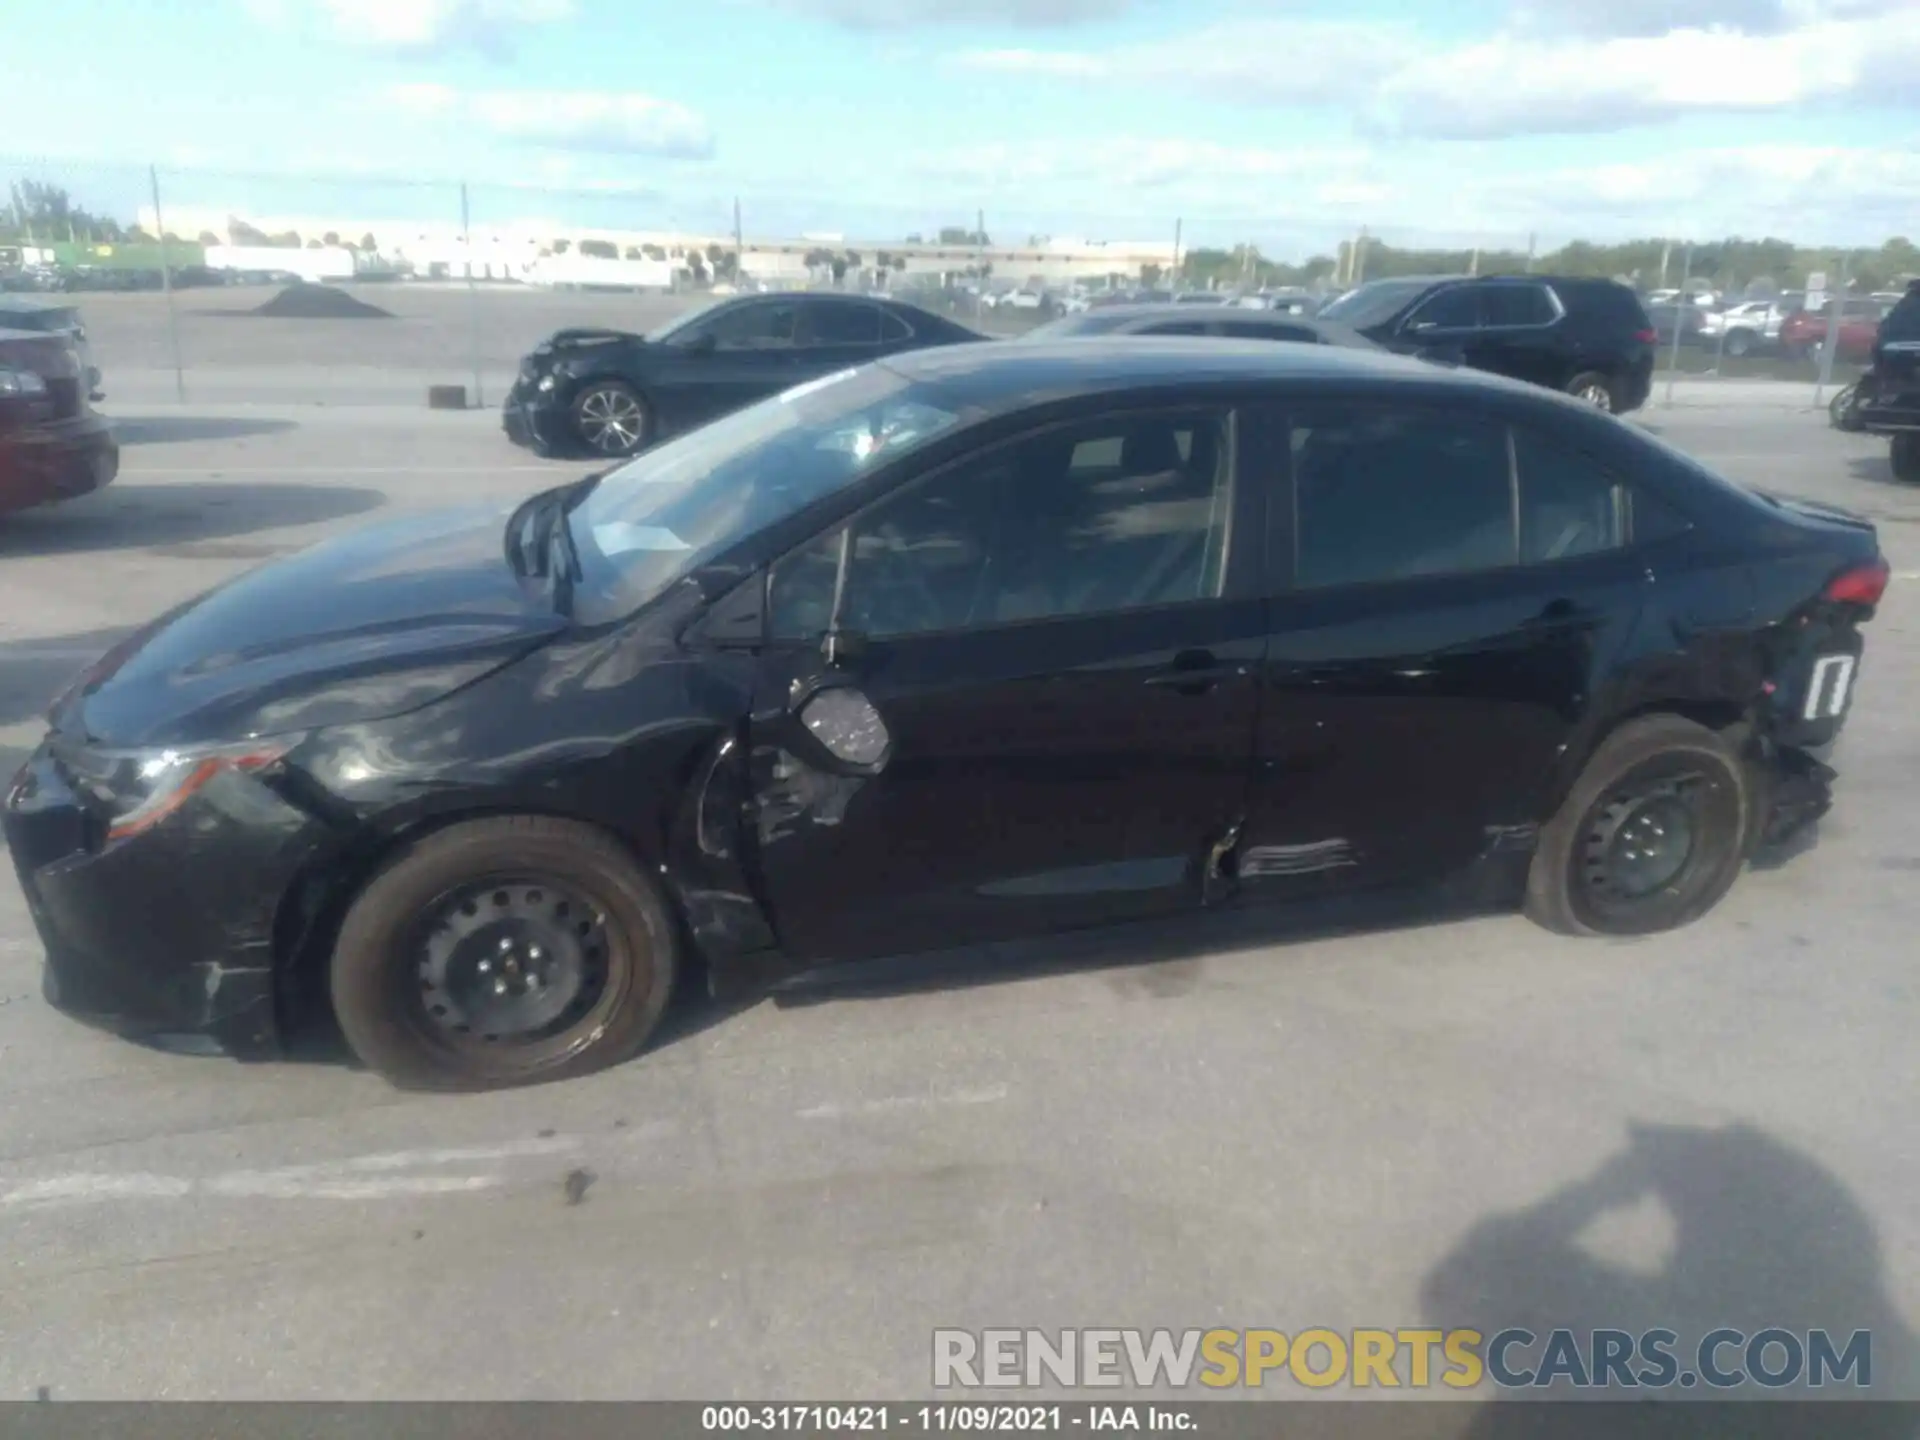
(473, 293)
(1174, 279)
(1533, 247)
(980, 261)
(1360, 257)
(166, 285)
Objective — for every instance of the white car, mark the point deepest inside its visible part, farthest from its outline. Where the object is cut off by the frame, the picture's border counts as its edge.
(1749, 326)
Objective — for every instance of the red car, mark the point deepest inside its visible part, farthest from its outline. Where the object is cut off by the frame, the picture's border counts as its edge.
(53, 444)
(1804, 330)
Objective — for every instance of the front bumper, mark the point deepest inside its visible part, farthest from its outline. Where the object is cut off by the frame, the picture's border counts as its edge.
(40, 464)
(166, 937)
(532, 419)
(1890, 414)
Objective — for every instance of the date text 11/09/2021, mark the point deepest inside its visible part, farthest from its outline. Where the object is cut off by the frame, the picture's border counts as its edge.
(937, 1419)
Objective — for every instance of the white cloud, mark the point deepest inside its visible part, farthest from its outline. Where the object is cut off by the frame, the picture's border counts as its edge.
(1509, 86)
(418, 27)
(1258, 62)
(1790, 53)
(1657, 17)
(917, 14)
(590, 121)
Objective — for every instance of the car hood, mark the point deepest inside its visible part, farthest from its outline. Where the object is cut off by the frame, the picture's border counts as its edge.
(369, 625)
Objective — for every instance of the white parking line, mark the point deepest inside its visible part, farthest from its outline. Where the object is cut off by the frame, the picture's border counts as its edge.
(892, 1103)
(359, 1177)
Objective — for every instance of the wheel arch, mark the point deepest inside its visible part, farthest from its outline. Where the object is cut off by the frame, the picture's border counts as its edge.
(1718, 714)
(315, 903)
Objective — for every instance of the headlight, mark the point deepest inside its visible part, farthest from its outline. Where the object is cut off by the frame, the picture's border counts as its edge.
(546, 383)
(22, 382)
(140, 788)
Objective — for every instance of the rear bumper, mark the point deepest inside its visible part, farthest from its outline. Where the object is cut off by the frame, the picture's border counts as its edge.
(40, 464)
(166, 937)
(1798, 791)
(1636, 386)
(1890, 414)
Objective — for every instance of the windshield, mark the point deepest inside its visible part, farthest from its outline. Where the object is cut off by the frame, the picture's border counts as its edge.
(1374, 302)
(652, 521)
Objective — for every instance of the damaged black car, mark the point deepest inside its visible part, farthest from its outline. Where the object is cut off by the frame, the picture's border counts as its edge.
(971, 644)
(610, 393)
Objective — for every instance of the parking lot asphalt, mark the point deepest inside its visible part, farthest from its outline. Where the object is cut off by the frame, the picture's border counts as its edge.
(1474, 1123)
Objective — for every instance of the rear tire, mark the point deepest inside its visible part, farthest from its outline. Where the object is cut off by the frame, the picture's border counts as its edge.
(1651, 837)
(1904, 455)
(1595, 388)
(416, 980)
(1739, 344)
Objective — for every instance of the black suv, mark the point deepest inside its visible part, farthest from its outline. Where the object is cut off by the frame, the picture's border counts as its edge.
(1890, 391)
(1590, 338)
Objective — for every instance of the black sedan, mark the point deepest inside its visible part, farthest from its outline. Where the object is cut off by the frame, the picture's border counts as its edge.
(975, 643)
(611, 393)
(1225, 321)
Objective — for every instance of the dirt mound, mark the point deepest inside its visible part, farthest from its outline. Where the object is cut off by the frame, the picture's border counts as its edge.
(318, 302)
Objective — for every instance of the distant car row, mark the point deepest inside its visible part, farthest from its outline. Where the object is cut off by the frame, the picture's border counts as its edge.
(613, 393)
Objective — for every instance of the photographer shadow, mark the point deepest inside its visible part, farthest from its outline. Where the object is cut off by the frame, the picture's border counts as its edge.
(1754, 1235)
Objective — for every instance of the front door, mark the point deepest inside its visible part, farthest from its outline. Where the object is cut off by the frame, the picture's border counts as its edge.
(1060, 638)
(1461, 588)
(744, 353)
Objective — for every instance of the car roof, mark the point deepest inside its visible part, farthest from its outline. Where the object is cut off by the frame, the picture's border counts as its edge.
(20, 303)
(1108, 316)
(998, 376)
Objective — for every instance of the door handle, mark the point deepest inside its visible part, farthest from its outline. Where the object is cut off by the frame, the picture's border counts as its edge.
(1194, 672)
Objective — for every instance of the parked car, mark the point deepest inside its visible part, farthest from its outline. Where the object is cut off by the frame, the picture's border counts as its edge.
(968, 644)
(1691, 320)
(1589, 338)
(612, 393)
(1744, 328)
(53, 445)
(1804, 331)
(1888, 399)
(1230, 322)
(48, 317)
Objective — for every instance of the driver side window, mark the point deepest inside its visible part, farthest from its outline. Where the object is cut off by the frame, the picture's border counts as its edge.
(752, 327)
(1115, 515)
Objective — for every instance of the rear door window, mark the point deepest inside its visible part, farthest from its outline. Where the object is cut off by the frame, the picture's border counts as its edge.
(1455, 308)
(1518, 305)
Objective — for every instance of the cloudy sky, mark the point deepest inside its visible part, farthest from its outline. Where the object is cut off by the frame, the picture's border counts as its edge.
(1283, 121)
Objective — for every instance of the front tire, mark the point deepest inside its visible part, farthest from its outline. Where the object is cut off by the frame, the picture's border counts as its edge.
(610, 418)
(504, 951)
(1904, 454)
(1593, 387)
(1651, 837)
(1739, 344)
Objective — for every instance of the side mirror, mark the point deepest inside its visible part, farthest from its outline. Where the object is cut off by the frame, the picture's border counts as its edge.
(705, 343)
(1421, 327)
(841, 723)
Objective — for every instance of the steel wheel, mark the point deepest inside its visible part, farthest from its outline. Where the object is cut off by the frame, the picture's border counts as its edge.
(512, 960)
(1594, 389)
(1639, 843)
(611, 419)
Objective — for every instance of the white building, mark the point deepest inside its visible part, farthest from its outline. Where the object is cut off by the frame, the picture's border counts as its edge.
(508, 249)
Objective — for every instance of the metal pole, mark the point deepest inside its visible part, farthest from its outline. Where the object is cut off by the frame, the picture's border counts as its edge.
(166, 286)
(1833, 333)
(1173, 280)
(1360, 257)
(473, 294)
(1473, 262)
(980, 262)
(1533, 246)
(1686, 274)
(739, 247)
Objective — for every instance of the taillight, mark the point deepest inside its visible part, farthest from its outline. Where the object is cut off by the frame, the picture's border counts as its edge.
(1647, 337)
(1862, 585)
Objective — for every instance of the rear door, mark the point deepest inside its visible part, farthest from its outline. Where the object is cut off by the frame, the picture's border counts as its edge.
(1049, 652)
(1459, 587)
(1520, 334)
(835, 332)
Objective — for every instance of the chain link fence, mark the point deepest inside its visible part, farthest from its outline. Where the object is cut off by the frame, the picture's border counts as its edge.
(228, 287)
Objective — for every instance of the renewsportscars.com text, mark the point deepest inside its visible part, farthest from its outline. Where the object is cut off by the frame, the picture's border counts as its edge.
(1418, 1359)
